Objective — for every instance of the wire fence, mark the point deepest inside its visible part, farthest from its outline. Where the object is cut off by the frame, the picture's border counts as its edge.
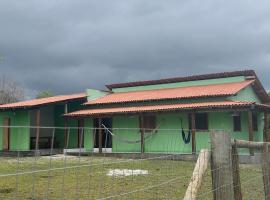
(66, 163)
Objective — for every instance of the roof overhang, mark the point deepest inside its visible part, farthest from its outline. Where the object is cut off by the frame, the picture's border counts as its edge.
(43, 102)
(258, 87)
(178, 93)
(191, 107)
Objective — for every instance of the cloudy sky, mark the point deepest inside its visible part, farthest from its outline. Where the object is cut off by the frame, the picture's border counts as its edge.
(68, 45)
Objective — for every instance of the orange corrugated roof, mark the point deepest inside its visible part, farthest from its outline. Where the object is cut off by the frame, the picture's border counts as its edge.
(43, 101)
(157, 108)
(226, 89)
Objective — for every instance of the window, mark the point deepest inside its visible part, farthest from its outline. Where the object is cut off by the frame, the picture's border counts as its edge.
(149, 123)
(201, 121)
(255, 121)
(237, 123)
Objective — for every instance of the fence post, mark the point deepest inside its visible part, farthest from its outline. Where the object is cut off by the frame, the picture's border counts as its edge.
(265, 171)
(236, 174)
(197, 176)
(222, 166)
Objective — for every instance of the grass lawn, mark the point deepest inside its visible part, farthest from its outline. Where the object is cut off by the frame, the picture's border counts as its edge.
(166, 179)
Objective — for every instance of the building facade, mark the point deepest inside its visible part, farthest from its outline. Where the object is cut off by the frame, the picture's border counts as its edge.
(30, 125)
(175, 115)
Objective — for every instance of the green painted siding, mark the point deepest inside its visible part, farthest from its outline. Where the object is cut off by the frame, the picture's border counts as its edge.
(19, 137)
(121, 123)
(169, 138)
(182, 84)
(247, 94)
(94, 94)
(88, 134)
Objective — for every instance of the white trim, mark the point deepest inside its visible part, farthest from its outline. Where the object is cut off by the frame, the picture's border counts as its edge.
(77, 150)
(104, 150)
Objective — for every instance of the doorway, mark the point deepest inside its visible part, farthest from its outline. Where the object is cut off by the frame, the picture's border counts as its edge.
(6, 134)
(106, 137)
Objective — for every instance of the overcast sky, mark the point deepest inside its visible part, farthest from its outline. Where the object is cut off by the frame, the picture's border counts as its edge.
(68, 45)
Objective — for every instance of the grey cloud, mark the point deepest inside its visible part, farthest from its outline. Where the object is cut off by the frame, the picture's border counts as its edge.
(67, 46)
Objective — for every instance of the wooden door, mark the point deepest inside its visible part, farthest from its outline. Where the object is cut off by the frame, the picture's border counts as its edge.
(6, 134)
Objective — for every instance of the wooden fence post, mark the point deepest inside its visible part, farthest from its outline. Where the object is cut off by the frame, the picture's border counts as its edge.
(265, 171)
(221, 166)
(236, 174)
(100, 135)
(197, 176)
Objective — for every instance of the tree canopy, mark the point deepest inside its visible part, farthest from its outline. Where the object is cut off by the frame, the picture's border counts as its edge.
(10, 91)
(44, 94)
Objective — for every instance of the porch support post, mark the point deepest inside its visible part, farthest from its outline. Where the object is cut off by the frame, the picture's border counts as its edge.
(266, 126)
(193, 130)
(250, 130)
(142, 133)
(99, 136)
(37, 128)
(65, 134)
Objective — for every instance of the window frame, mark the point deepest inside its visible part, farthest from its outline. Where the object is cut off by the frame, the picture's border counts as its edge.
(255, 123)
(149, 123)
(196, 124)
(234, 123)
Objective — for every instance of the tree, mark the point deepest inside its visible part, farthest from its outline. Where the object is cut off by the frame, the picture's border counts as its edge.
(44, 94)
(10, 91)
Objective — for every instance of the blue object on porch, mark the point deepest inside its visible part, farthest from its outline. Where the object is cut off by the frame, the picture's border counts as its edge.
(185, 138)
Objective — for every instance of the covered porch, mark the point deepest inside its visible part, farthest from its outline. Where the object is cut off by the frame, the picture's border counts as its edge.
(132, 127)
(38, 124)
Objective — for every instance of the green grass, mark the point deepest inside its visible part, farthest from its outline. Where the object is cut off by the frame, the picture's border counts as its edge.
(169, 177)
(251, 183)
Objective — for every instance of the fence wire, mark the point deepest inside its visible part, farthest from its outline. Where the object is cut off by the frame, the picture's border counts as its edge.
(65, 164)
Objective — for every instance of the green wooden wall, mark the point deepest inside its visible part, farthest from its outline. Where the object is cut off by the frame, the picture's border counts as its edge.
(88, 134)
(20, 136)
(181, 84)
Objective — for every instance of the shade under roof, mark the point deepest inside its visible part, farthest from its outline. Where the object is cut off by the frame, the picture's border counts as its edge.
(160, 108)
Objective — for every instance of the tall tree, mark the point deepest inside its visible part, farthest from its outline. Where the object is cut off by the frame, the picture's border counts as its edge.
(44, 94)
(10, 91)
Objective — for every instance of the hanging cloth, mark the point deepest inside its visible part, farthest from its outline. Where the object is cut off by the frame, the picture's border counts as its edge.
(185, 138)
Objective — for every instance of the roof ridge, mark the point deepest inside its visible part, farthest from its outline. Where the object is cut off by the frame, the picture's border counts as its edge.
(158, 89)
(183, 78)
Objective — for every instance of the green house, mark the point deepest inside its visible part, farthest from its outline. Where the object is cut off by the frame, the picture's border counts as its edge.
(30, 125)
(174, 115)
